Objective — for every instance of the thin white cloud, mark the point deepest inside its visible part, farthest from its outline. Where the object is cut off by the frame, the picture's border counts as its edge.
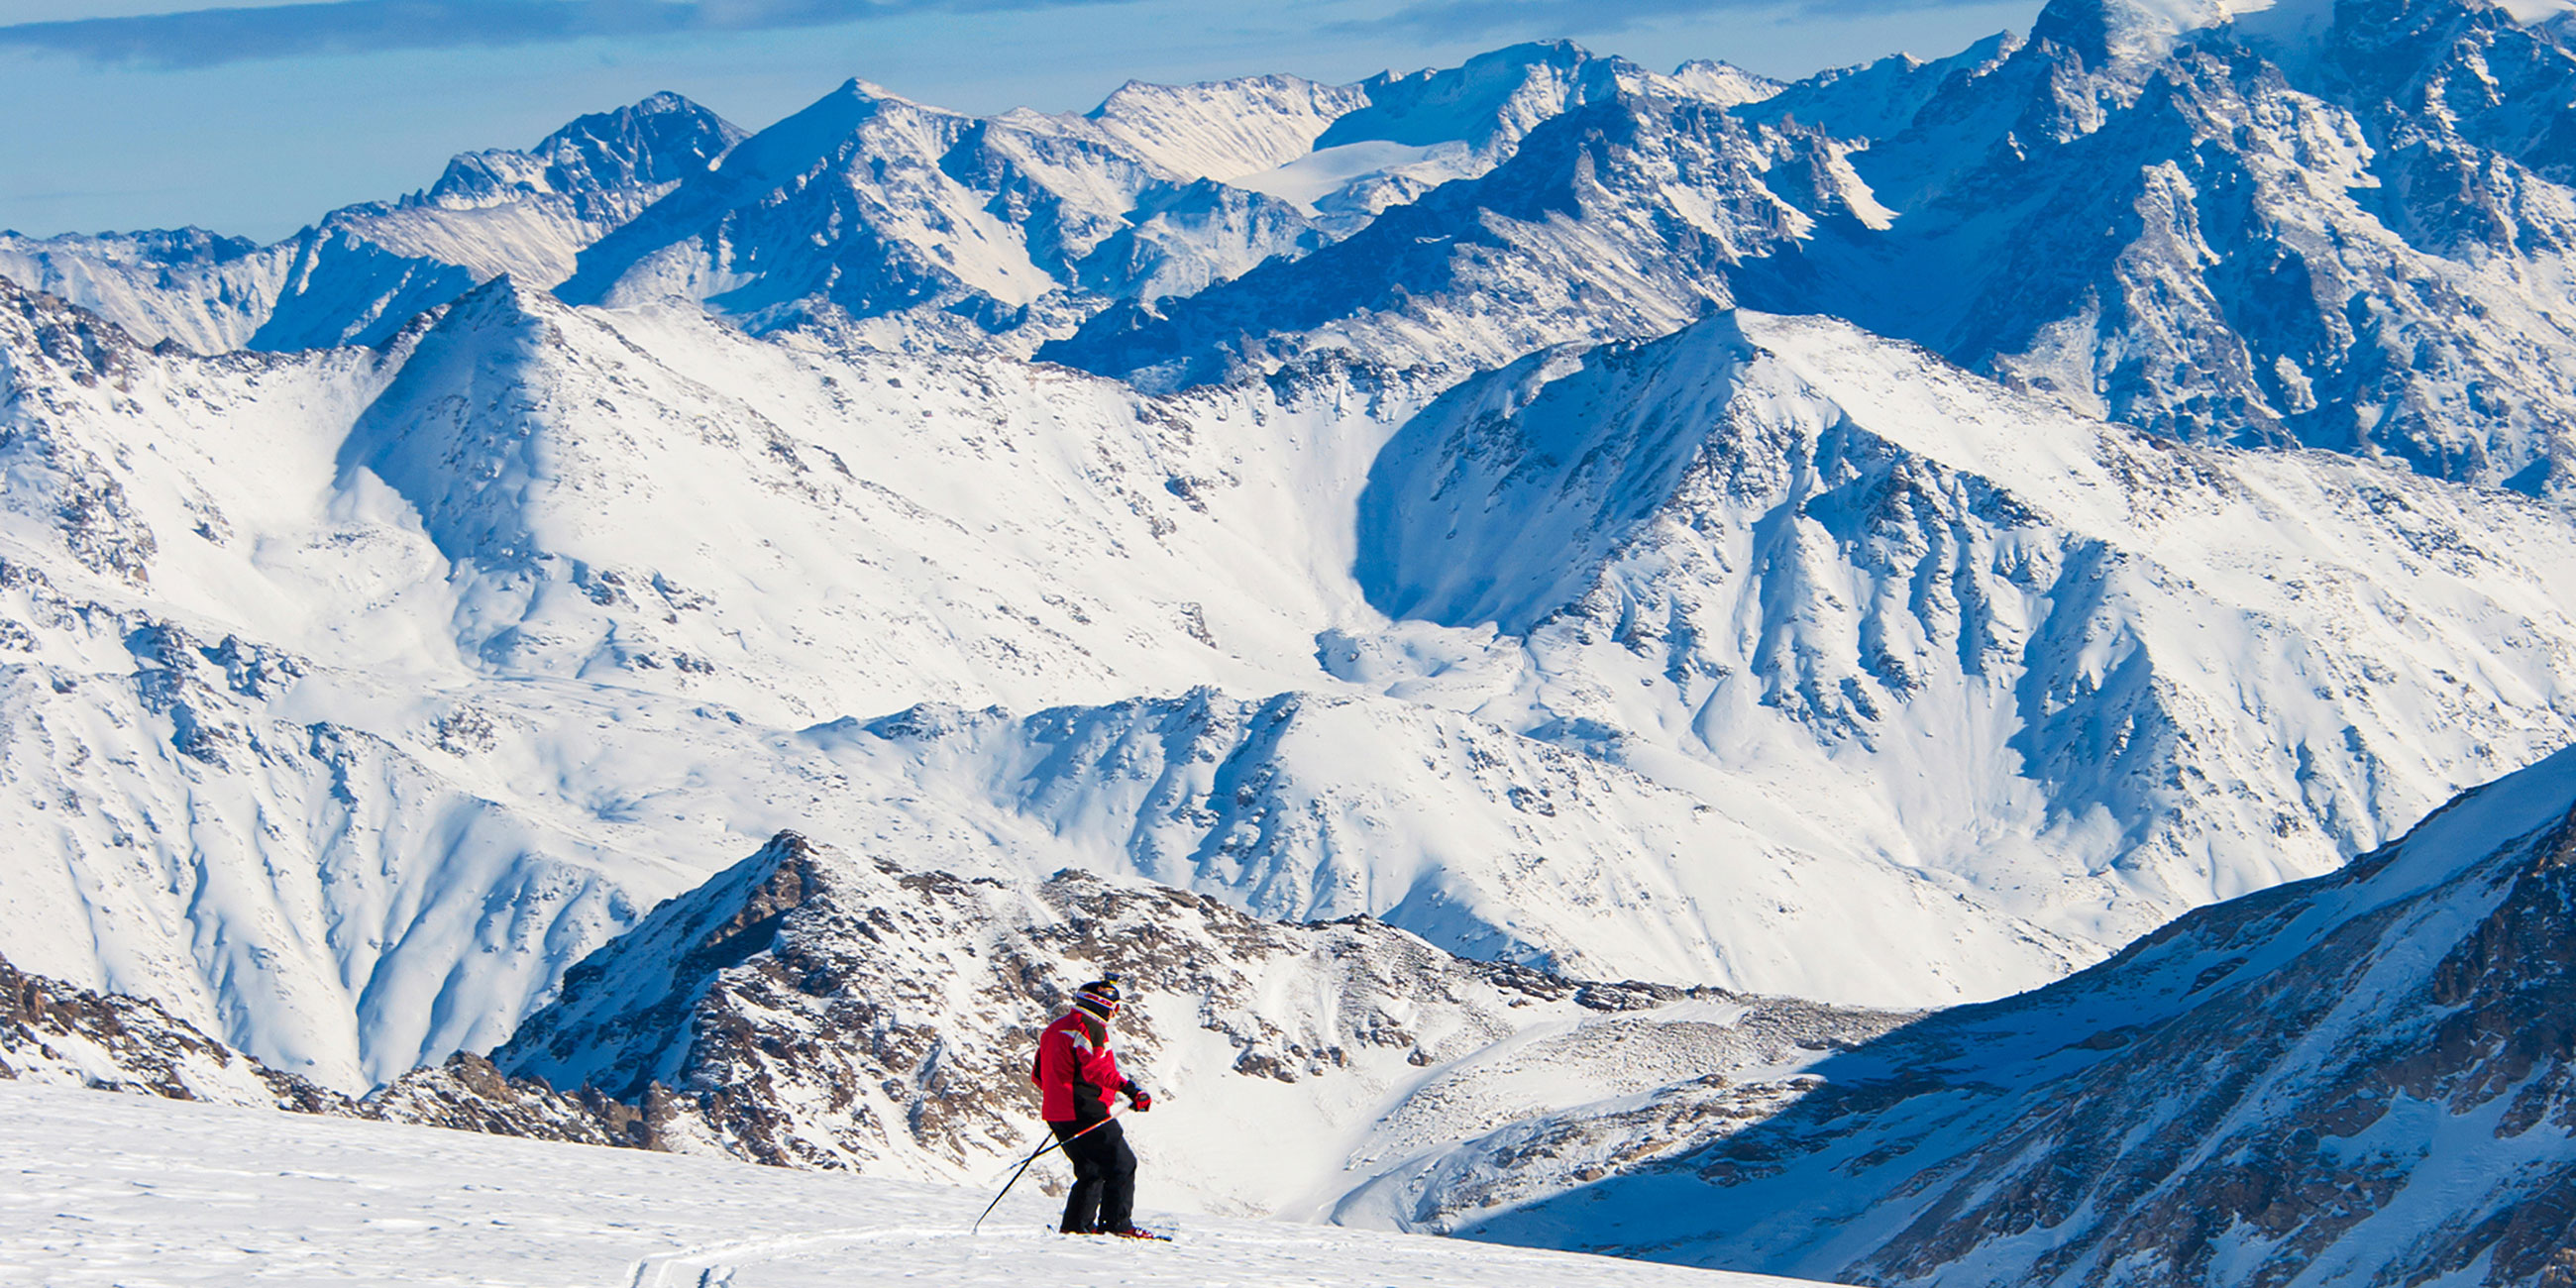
(207, 37)
(1462, 19)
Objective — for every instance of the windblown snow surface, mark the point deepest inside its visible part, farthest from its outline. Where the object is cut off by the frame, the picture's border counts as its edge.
(99, 1189)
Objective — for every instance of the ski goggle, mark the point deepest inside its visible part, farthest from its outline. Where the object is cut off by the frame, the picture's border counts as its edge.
(1107, 1005)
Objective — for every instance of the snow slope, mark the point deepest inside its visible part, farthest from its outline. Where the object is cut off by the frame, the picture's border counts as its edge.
(2098, 677)
(98, 1189)
(2363, 1078)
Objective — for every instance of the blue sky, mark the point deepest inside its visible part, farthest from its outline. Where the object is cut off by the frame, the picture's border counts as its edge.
(255, 118)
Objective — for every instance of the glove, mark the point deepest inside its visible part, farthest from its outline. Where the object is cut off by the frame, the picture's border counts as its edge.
(1139, 1097)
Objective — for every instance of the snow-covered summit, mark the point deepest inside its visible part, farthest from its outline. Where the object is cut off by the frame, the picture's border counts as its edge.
(1724, 83)
(1621, 218)
(533, 617)
(1226, 130)
(662, 139)
(1762, 524)
(900, 224)
(527, 214)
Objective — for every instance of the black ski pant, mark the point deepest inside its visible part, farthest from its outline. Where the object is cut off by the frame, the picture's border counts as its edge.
(1104, 1177)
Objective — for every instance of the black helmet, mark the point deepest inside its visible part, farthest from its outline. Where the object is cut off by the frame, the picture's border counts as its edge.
(1100, 997)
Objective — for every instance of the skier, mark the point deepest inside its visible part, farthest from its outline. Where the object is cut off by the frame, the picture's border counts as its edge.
(1077, 1073)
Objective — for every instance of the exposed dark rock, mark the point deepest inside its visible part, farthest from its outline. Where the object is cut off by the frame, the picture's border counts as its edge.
(53, 1032)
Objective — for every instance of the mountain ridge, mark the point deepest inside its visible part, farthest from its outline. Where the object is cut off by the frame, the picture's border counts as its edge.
(2350, 1038)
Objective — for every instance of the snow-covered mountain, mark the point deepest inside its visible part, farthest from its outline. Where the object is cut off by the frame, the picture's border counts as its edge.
(515, 625)
(2192, 238)
(896, 224)
(2098, 676)
(2183, 234)
(361, 273)
(884, 221)
(819, 1010)
(351, 719)
(2335, 225)
(868, 206)
(1616, 219)
(2358, 1079)
(1413, 519)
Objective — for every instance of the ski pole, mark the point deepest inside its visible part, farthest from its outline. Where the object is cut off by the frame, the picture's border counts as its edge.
(1024, 1166)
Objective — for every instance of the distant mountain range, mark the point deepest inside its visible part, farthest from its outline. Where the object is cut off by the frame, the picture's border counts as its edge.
(1890, 541)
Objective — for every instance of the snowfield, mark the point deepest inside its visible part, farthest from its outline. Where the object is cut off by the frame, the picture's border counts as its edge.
(100, 1189)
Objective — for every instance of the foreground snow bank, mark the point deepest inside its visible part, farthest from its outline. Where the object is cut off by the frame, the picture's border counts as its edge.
(98, 1189)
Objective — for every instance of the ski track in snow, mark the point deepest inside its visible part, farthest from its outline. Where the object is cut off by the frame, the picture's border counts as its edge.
(102, 1189)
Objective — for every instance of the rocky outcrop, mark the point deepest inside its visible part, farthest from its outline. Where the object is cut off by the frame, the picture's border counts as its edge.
(52, 1032)
(817, 1009)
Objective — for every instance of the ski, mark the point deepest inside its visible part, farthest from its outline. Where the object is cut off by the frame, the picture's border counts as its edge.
(1147, 1235)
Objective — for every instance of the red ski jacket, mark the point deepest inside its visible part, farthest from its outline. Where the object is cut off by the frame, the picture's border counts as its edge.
(1076, 1072)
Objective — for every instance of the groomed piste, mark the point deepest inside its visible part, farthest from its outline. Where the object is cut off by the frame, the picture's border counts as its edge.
(101, 1189)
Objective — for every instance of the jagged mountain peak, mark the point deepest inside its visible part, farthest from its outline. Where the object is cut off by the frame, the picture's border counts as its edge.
(942, 229)
(1724, 83)
(39, 324)
(1879, 99)
(1621, 216)
(1623, 457)
(501, 309)
(672, 956)
(1484, 101)
(801, 139)
(662, 139)
(865, 209)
